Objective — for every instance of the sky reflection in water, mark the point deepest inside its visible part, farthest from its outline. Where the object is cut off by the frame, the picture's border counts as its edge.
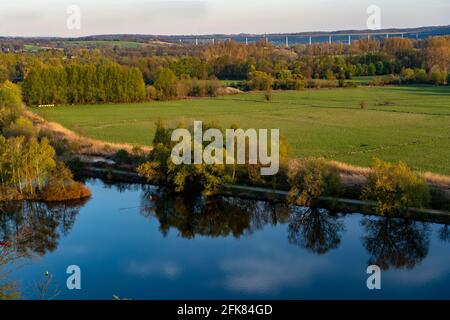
(140, 247)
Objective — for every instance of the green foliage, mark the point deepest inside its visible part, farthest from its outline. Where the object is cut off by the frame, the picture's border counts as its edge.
(166, 83)
(310, 179)
(438, 77)
(25, 164)
(259, 80)
(11, 107)
(20, 127)
(395, 188)
(83, 83)
(184, 178)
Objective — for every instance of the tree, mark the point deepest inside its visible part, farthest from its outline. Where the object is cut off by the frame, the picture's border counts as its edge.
(166, 82)
(437, 54)
(311, 178)
(395, 188)
(259, 80)
(11, 106)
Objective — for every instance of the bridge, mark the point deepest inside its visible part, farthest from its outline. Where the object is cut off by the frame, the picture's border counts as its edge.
(298, 38)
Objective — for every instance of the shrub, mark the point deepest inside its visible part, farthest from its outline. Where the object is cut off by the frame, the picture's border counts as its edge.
(438, 78)
(60, 186)
(363, 104)
(268, 96)
(395, 188)
(20, 127)
(408, 75)
(351, 84)
(152, 93)
(310, 179)
(392, 79)
(122, 157)
(259, 80)
(299, 85)
(420, 76)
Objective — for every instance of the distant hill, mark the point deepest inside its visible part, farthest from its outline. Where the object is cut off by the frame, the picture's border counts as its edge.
(276, 38)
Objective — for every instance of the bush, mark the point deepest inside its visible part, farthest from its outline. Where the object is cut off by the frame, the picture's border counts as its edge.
(395, 188)
(392, 79)
(310, 179)
(408, 75)
(122, 157)
(268, 96)
(152, 93)
(60, 186)
(20, 127)
(351, 84)
(259, 80)
(438, 78)
(420, 76)
(363, 104)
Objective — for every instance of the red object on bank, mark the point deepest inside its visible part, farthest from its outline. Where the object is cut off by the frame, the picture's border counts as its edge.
(4, 243)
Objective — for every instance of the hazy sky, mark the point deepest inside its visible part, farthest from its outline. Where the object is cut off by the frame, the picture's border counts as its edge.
(49, 17)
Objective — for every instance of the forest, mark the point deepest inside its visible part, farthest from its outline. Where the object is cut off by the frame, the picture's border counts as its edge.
(77, 75)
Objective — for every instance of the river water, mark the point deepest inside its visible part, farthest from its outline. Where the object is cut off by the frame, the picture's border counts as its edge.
(132, 242)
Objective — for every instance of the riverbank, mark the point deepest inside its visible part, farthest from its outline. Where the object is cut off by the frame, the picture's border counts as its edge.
(347, 203)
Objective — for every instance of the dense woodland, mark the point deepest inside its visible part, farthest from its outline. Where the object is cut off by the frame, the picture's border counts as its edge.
(116, 74)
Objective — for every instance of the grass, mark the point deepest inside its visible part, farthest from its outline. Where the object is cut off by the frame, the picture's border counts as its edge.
(32, 48)
(409, 123)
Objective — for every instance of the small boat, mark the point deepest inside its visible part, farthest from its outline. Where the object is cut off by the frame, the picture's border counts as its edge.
(4, 243)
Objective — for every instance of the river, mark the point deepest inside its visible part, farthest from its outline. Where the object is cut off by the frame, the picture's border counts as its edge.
(135, 243)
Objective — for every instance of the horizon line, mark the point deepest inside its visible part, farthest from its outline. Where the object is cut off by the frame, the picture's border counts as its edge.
(305, 33)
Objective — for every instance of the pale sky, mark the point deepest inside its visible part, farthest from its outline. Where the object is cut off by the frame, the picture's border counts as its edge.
(49, 17)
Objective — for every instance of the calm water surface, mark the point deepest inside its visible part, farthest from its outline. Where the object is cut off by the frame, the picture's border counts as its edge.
(131, 242)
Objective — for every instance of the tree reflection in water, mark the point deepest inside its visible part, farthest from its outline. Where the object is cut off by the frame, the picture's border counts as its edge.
(30, 228)
(316, 230)
(395, 242)
(214, 217)
(444, 233)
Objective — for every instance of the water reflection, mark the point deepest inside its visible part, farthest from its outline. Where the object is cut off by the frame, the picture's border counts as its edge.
(286, 256)
(316, 230)
(212, 217)
(28, 229)
(390, 242)
(444, 233)
(395, 243)
(36, 227)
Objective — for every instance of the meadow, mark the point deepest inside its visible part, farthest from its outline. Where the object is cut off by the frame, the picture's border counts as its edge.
(409, 123)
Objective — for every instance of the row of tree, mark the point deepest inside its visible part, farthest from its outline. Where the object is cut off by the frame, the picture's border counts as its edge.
(83, 83)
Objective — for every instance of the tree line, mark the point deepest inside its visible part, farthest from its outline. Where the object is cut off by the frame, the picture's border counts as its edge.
(78, 75)
(83, 83)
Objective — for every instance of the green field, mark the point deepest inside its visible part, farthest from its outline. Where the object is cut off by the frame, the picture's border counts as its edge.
(410, 123)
